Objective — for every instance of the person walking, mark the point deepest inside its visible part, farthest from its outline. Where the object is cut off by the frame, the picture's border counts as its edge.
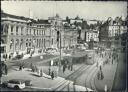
(20, 67)
(63, 68)
(41, 73)
(52, 75)
(49, 70)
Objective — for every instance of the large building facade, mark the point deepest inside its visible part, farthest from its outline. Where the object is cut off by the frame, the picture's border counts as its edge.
(116, 28)
(13, 33)
(23, 35)
(111, 30)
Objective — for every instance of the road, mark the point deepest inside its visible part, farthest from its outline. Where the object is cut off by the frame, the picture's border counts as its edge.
(84, 76)
(6, 89)
(120, 78)
(73, 77)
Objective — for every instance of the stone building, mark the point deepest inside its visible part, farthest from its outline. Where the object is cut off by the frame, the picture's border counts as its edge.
(13, 33)
(92, 34)
(69, 37)
(21, 35)
(41, 36)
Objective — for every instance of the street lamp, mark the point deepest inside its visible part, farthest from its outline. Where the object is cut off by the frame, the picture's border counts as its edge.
(60, 50)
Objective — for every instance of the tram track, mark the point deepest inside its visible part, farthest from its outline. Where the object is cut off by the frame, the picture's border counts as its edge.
(78, 73)
(73, 76)
(89, 80)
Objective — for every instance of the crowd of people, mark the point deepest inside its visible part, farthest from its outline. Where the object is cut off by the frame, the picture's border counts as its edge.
(110, 58)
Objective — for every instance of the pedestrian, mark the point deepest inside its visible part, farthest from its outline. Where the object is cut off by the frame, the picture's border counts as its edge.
(71, 67)
(49, 71)
(20, 68)
(52, 75)
(63, 68)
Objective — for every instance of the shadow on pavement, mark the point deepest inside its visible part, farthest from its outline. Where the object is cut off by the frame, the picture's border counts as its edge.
(34, 75)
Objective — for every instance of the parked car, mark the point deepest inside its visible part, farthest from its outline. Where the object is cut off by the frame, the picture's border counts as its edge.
(16, 83)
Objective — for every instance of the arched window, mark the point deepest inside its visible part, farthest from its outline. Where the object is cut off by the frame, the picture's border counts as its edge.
(30, 42)
(42, 42)
(52, 41)
(12, 30)
(42, 32)
(22, 30)
(21, 44)
(30, 31)
(37, 32)
(2, 27)
(34, 32)
(17, 41)
(2, 41)
(16, 30)
(26, 42)
(58, 35)
(37, 42)
(27, 31)
(5, 29)
(11, 43)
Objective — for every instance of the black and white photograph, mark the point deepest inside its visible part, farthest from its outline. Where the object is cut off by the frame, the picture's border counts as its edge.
(64, 46)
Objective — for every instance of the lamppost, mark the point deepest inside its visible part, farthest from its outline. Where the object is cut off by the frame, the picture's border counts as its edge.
(60, 50)
(58, 29)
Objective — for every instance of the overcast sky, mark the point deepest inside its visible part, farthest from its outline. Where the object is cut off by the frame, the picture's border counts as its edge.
(85, 9)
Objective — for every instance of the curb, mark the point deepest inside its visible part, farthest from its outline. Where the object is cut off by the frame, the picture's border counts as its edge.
(114, 76)
(47, 89)
(21, 59)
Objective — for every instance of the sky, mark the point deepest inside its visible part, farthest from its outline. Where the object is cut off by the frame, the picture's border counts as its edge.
(100, 10)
